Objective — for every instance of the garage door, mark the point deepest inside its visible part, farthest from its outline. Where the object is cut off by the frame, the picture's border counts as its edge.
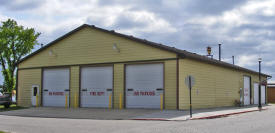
(96, 86)
(263, 94)
(256, 93)
(144, 85)
(56, 87)
(246, 90)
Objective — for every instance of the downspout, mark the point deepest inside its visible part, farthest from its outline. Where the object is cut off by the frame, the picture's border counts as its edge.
(177, 71)
(16, 87)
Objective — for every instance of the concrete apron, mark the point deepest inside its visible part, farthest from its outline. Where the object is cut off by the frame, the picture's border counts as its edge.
(199, 113)
(129, 114)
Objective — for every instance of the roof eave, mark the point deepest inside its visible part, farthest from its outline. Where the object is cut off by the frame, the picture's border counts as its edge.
(53, 42)
(220, 63)
(180, 53)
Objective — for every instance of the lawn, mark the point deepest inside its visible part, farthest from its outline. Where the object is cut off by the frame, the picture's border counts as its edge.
(12, 107)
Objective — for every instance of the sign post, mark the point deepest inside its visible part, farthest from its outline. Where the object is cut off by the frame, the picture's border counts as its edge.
(190, 81)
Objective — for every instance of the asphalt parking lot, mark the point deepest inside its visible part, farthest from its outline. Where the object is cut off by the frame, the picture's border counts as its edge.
(253, 122)
(88, 113)
(125, 114)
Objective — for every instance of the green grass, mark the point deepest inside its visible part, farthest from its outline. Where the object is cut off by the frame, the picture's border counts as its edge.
(12, 107)
(2, 132)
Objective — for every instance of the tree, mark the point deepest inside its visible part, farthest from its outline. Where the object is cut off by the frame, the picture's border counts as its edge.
(15, 42)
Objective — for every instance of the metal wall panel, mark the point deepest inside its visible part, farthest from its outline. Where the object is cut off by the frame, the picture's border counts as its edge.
(246, 90)
(56, 87)
(144, 85)
(256, 93)
(96, 86)
(77, 49)
(263, 95)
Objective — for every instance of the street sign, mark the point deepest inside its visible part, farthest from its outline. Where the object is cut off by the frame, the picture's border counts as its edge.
(187, 78)
(190, 81)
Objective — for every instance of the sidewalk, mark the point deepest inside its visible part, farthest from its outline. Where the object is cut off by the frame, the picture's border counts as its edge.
(170, 115)
(224, 113)
(130, 114)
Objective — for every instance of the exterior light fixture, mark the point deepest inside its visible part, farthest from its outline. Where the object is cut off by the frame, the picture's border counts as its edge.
(209, 50)
(260, 59)
(51, 53)
(116, 48)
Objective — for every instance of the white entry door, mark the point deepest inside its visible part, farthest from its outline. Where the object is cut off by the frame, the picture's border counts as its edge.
(246, 90)
(144, 85)
(96, 86)
(35, 95)
(56, 87)
(256, 93)
(263, 94)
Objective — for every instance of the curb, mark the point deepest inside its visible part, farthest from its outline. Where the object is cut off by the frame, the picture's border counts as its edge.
(199, 118)
(151, 119)
(225, 115)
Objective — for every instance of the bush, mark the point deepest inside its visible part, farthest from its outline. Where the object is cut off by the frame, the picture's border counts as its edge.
(237, 103)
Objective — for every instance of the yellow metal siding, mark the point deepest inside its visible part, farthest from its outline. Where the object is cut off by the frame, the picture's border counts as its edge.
(118, 85)
(170, 77)
(74, 86)
(215, 86)
(27, 78)
(89, 46)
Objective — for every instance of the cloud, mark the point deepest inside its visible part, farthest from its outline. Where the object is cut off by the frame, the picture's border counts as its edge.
(211, 7)
(245, 28)
(128, 21)
(19, 5)
(270, 63)
(247, 60)
(266, 46)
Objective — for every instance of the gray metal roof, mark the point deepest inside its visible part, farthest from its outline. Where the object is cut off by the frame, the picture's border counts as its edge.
(179, 52)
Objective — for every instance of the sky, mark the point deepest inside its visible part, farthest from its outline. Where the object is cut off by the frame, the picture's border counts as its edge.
(245, 28)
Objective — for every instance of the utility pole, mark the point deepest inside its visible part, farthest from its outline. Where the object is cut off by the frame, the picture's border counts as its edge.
(233, 60)
(260, 83)
(220, 52)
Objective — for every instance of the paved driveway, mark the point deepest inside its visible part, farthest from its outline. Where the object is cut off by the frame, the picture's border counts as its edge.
(79, 113)
(124, 114)
(254, 122)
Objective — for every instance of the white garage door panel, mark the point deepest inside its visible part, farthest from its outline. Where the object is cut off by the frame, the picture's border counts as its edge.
(96, 86)
(246, 90)
(56, 87)
(256, 93)
(263, 94)
(144, 84)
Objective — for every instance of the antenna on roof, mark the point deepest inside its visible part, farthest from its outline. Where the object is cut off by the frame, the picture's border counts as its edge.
(220, 51)
(233, 60)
